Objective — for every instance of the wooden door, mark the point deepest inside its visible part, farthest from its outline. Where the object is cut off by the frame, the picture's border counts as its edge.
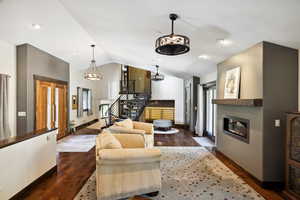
(43, 90)
(51, 107)
(62, 110)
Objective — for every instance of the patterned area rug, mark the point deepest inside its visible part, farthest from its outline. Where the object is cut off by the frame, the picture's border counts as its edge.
(76, 143)
(191, 173)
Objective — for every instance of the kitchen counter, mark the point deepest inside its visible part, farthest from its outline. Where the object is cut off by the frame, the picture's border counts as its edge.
(161, 103)
(21, 138)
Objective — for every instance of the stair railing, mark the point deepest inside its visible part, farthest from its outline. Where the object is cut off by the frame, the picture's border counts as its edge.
(114, 110)
(117, 111)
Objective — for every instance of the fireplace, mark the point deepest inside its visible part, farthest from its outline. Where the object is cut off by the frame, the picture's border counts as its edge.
(237, 128)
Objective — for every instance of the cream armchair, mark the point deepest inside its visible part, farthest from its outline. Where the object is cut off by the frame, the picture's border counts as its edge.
(127, 171)
(146, 129)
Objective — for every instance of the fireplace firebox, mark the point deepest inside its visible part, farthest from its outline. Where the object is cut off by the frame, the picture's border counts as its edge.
(237, 128)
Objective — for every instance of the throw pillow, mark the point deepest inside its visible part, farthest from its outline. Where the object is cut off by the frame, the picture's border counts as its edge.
(127, 123)
(108, 141)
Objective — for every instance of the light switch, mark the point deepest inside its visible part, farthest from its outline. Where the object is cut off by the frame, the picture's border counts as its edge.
(21, 114)
(277, 122)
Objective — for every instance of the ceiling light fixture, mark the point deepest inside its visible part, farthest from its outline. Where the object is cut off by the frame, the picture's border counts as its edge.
(36, 26)
(92, 72)
(204, 57)
(224, 42)
(172, 44)
(157, 76)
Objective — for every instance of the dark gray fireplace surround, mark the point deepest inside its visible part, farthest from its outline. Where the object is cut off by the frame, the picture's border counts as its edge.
(269, 72)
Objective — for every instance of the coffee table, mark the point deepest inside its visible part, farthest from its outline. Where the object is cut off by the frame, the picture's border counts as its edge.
(162, 124)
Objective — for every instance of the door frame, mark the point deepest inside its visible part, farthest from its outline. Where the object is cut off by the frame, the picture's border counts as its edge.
(47, 79)
(206, 87)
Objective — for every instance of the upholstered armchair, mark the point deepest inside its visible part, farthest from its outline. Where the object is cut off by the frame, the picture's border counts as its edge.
(146, 129)
(124, 168)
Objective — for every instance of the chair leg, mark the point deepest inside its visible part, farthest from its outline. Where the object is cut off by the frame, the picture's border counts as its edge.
(152, 194)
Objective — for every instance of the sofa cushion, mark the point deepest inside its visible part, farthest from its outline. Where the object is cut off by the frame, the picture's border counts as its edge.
(108, 141)
(127, 123)
(131, 140)
(129, 156)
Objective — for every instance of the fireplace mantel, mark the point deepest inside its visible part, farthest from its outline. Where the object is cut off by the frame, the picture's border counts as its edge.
(239, 102)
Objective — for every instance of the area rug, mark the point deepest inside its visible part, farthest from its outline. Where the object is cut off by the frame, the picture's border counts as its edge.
(76, 143)
(190, 173)
(204, 141)
(172, 131)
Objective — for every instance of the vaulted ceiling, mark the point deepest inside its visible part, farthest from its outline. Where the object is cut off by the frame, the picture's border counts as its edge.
(125, 31)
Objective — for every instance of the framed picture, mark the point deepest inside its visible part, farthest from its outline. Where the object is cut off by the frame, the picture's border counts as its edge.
(74, 102)
(232, 83)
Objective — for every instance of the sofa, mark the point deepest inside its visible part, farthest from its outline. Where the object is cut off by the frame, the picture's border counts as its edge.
(124, 167)
(133, 127)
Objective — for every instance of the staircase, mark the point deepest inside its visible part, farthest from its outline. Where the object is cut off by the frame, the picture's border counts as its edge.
(128, 106)
(135, 93)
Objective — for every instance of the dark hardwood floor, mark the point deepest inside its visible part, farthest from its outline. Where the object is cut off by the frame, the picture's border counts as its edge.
(183, 138)
(73, 170)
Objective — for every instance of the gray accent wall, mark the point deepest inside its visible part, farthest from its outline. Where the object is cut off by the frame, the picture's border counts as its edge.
(249, 156)
(33, 61)
(268, 71)
(280, 93)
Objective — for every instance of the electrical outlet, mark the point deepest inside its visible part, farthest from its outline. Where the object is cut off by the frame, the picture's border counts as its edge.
(21, 114)
(277, 122)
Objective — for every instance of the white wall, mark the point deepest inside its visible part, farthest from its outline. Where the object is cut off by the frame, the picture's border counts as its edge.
(105, 89)
(8, 66)
(110, 84)
(77, 80)
(172, 88)
(208, 77)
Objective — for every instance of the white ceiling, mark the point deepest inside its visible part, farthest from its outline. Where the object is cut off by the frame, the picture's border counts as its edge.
(125, 31)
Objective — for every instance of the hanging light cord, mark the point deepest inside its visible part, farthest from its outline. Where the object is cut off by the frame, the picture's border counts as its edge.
(172, 27)
(93, 46)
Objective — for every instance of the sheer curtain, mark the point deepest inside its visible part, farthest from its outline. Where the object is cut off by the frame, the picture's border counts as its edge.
(200, 112)
(79, 102)
(4, 126)
(90, 103)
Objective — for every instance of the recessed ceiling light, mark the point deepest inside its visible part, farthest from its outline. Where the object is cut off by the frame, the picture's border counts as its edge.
(204, 57)
(36, 26)
(224, 42)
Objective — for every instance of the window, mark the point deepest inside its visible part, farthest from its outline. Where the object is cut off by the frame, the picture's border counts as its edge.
(85, 99)
(210, 93)
(104, 110)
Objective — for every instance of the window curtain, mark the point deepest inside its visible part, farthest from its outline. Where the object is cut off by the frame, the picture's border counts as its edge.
(79, 102)
(90, 103)
(4, 126)
(200, 112)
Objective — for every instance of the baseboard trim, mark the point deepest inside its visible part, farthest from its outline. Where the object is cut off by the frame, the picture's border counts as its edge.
(264, 184)
(288, 196)
(39, 180)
